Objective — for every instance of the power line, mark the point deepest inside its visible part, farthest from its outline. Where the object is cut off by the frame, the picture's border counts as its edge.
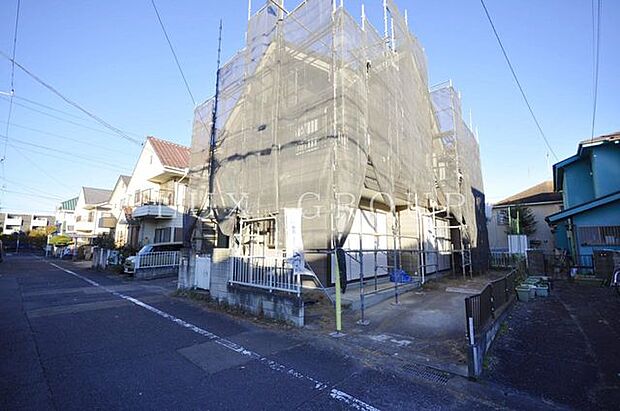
(34, 195)
(38, 167)
(71, 154)
(514, 75)
(71, 102)
(174, 54)
(596, 33)
(62, 119)
(64, 155)
(36, 103)
(75, 140)
(12, 82)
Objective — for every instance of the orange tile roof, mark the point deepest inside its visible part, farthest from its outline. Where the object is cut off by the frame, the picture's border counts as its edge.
(170, 154)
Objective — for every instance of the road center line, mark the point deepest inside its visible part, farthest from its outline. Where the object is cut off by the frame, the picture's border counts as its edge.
(239, 349)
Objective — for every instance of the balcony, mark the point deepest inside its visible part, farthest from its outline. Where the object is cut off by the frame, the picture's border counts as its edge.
(13, 221)
(154, 203)
(107, 221)
(85, 226)
(39, 222)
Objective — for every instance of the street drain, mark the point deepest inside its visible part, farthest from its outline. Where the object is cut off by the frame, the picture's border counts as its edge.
(426, 373)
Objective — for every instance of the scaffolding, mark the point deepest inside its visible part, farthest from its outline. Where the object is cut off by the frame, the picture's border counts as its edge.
(457, 168)
(323, 113)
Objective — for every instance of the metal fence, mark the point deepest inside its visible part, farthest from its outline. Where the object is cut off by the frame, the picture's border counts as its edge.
(481, 309)
(158, 259)
(269, 273)
(584, 261)
(501, 259)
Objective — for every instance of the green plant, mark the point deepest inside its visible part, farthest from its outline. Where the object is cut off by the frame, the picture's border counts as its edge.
(60, 240)
(522, 221)
(104, 241)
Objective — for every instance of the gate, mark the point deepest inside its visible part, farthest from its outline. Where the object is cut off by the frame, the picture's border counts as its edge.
(202, 276)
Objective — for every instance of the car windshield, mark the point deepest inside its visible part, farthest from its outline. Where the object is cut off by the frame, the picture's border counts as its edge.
(145, 249)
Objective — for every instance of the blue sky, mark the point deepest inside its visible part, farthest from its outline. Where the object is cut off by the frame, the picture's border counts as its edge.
(111, 57)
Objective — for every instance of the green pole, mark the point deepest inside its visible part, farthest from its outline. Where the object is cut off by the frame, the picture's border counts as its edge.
(509, 221)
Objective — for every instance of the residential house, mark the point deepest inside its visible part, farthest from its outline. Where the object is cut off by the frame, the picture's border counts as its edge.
(590, 185)
(92, 204)
(154, 203)
(24, 222)
(114, 218)
(542, 200)
(65, 217)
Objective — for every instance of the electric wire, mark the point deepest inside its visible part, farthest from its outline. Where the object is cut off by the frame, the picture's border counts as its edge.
(36, 103)
(79, 156)
(41, 169)
(174, 54)
(62, 119)
(34, 195)
(514, 75)
(596, 33)
(72, 139)
(12, 91)
(67, 100)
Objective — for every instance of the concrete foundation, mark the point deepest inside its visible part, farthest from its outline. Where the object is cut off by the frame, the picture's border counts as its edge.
(274, 305)
(158, 272)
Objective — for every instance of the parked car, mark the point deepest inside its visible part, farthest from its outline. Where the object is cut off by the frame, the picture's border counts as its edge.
(129, 264)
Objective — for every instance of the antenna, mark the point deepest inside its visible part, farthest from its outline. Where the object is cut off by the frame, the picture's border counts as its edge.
(214, 116)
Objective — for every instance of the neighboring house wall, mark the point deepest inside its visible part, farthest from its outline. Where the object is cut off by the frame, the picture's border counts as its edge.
(87, 218)
(587, 224)
(577, 188)
(24, 222)
(606, 169)
(65, 220)
(542, 239)
(590, 183)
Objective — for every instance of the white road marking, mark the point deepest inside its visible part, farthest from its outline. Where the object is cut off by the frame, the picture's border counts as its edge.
(274, 365)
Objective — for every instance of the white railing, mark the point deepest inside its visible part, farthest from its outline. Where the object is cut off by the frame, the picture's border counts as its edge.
(270, 273)
(158, 259)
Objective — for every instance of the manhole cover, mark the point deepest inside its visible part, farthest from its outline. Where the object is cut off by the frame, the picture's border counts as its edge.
(426, 373)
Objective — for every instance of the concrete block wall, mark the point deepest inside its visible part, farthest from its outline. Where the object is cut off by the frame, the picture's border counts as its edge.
(275, 305)
(158, 272)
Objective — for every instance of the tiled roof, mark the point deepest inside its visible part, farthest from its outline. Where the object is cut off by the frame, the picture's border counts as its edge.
(69, 204)
(607, 137)
(170, 154)
(96, 195)
(540, 193)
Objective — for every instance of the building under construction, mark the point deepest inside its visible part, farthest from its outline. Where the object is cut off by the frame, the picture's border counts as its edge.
(322, 114)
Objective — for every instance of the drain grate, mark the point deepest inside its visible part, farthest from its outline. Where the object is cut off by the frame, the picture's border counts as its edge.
(426, 373)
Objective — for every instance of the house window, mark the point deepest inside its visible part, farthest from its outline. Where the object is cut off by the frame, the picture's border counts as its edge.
(162, 235)
(178, 234)
(502, 217)
(599, 235)
(91, 217)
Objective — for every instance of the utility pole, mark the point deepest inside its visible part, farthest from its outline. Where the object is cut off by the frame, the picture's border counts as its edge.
(213, 136)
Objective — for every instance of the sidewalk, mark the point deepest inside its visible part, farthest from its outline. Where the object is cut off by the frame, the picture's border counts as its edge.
(564, 349)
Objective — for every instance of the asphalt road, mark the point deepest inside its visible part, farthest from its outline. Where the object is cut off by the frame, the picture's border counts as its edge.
(78, 339)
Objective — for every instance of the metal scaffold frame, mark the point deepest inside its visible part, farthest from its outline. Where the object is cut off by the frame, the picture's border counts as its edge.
(322, 113)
